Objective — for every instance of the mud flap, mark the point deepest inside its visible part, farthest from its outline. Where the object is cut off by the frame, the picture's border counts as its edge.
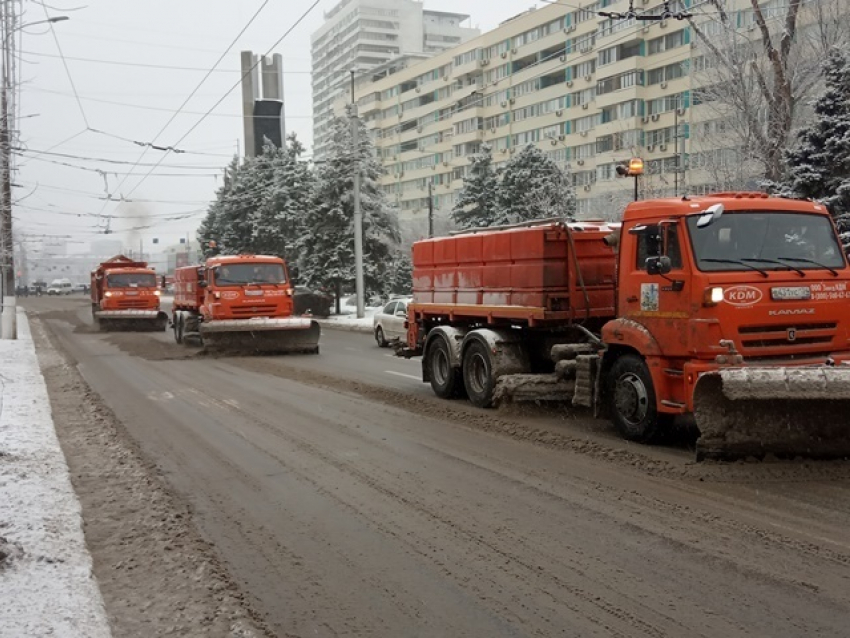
(263, 341)
(787, 412)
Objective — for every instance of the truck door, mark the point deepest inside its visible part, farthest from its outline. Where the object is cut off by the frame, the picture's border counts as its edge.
(660, 301)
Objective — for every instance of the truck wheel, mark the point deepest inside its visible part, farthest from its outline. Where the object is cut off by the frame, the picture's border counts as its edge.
(446, 380)
(178, 328)
(478, 375)
(632, 397)
(379, 337)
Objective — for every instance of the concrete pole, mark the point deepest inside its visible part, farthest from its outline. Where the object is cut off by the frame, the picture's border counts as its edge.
(249, 95)
(358, 214)
(430, 210)
(8, 326)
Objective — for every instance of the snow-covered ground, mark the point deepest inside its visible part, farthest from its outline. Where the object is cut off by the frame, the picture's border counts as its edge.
(46, 579)
(347, 319)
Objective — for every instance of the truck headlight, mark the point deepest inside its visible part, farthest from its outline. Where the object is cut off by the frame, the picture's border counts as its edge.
(713, 296)
(157, 292)
(107, 294)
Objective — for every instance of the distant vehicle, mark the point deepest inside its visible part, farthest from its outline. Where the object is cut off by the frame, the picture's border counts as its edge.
(125, 296)
(80, 288)
(313, 302)
(60, 287)
(389, 322)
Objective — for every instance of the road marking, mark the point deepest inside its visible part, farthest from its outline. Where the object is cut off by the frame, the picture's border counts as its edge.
(402, 374)
(160, 396)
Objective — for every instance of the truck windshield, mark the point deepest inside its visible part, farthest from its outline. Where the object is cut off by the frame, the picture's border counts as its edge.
(241, 274)
(768, 240)
(131, 280)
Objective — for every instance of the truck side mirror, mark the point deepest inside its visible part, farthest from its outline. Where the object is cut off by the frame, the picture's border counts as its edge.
(202, 284)
(660, 265)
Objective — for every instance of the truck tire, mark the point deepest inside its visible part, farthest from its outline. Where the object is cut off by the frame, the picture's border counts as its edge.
(178, 328)
(631, 395)
(446, 381)
(478, 375)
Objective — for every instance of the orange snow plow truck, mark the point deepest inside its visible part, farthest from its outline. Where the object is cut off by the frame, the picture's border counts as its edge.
(125, 296)
(240, 304)
(732, 308)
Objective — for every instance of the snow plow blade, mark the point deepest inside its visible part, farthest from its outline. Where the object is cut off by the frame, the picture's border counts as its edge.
(787, 412)
(131, 320)
(262, 335)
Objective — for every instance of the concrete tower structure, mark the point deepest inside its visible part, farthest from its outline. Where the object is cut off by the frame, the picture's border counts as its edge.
(263, 112)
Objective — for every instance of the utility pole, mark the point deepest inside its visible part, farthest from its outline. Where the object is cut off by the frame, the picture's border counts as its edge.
(358, 214)
(430, 210)
(676, 147)
(8, 328)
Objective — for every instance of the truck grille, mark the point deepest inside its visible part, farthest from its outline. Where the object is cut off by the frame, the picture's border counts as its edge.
(260, 310)
(773, 336)
(134, 303)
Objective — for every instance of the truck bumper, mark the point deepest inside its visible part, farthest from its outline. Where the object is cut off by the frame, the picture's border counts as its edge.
(256, 324)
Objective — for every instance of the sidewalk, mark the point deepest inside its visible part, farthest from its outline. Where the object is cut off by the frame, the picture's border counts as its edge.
(46, 579)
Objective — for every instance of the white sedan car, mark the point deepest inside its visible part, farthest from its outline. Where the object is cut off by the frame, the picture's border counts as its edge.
(388, 322)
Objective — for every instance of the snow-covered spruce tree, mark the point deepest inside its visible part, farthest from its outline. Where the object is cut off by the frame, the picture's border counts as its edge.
(818, 166)
(260, 206)
(286, 184)
(477, 199)
(212, 227)
(326, 246)
(533, 187)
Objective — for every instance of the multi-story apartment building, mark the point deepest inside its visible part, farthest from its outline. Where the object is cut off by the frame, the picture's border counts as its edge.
(591, 92)
(361, 34)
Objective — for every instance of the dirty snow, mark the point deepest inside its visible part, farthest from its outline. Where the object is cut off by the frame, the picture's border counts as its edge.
(45, 568)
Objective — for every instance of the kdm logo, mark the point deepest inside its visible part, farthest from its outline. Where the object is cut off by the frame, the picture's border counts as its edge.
(742, 295)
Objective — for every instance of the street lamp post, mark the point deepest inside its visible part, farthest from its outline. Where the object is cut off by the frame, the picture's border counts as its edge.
(8, 328)
(358, 213)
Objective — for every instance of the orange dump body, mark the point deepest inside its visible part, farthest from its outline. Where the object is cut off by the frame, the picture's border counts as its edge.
(549, 273)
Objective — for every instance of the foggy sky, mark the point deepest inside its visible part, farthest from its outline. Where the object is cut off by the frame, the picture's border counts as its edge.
(58, 200)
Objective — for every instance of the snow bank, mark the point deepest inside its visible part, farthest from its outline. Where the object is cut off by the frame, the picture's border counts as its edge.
(46, 579)
(349, 322)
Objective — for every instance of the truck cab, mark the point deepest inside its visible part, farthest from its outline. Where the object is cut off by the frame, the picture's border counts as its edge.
(245, 286)
(727, 280)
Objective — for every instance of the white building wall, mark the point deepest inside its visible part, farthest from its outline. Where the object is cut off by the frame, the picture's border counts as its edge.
(588, 91)
(363, 34)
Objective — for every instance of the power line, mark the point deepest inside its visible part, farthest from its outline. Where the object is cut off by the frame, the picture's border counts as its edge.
(145, 65)
(186, 101)
(65, 64)
(113, 172)
(241, 79)
(162, 109)
(114, 161)
(80, 193)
